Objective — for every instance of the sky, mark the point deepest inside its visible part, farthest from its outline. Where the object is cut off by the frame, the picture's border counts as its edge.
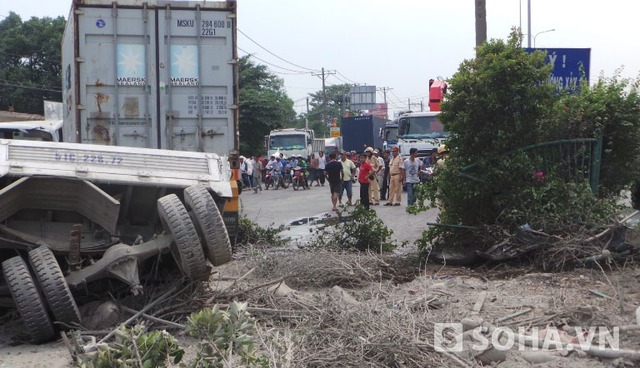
(399, 45)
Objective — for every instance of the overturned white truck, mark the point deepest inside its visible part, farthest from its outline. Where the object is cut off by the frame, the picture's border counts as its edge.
(73, 214)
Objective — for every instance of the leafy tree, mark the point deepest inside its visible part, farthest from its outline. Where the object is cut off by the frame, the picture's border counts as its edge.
(500, 102)
(337, 103)
(30, 68)
(264, 106)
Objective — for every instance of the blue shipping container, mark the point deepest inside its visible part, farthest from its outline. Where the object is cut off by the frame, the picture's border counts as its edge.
(360, 132)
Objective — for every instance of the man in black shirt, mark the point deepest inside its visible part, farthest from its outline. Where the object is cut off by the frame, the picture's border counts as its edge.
(333, 170)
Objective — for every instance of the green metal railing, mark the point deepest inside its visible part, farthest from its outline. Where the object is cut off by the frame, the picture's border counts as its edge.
(575, 160)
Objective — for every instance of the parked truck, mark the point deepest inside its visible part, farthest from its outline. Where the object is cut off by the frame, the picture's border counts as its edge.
(147, 169)
(389, 135)
(422, 130)
(332, 145)
(360, 132)
(293, 141)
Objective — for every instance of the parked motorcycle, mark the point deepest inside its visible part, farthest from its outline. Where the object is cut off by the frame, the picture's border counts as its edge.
(299, 179)
(267, 180)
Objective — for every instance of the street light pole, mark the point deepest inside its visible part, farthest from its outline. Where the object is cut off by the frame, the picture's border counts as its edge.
(529, 23)
(536, 35)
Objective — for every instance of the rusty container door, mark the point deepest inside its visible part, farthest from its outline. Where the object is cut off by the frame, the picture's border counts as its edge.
(116, 75)
(197, 79)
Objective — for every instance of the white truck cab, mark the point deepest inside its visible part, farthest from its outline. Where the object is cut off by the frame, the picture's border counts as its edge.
(420, 130)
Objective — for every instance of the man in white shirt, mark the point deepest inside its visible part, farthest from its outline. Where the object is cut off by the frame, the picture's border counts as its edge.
(411, 168)
(322, 163)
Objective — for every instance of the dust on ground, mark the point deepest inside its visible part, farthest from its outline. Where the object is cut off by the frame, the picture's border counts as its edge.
(342, 309)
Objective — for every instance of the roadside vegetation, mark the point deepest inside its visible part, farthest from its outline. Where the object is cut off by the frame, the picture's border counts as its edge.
(504, 176)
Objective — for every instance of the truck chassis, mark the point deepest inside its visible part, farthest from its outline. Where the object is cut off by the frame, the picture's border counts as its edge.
(75, 214)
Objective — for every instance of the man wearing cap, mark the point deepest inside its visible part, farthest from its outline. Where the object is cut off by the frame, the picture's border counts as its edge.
(411, 168)
(395, 178)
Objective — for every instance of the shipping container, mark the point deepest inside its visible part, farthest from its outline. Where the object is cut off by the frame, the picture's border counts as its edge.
(360, 132)
(156, 74)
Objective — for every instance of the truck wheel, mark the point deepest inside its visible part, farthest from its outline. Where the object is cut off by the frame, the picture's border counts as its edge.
(27, 299)
(186, 248)
(54, 287)
(215, 239)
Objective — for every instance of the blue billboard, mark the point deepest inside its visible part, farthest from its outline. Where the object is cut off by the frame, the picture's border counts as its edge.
(568, 66)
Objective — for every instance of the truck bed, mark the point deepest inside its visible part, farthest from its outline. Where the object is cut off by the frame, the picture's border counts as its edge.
(115, 165)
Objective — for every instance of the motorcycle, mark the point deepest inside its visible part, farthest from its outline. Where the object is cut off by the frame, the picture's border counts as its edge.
(268, 180)
(278, 181)
(299, 179)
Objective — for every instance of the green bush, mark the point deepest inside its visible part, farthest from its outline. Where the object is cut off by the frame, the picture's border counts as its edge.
(361, 230)
(135, 347)
(501, 102)
(226, 338)
(250, 232)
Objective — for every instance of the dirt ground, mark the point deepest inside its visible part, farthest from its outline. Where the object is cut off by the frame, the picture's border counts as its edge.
(328, 309)
(399, 299)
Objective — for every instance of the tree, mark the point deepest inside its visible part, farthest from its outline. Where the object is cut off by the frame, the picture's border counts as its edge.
(30, 68)
(337, 103)
(499, 103)
(264, 105)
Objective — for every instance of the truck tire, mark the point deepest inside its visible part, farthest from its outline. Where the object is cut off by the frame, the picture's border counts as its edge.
(27, 299)
(215, 238)
(54, 287)
(186, 248)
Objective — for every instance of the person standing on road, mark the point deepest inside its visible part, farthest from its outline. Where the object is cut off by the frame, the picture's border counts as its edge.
(257, 174)
(244, 171)
(313, 170)
(334, 175)
(365, 175)
(374, 188)
(348, 173)
(395, 178)
(384, 187)
(411, 168)
(322, 164)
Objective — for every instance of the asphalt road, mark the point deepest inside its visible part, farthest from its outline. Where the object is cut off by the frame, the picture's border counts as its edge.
(283, 206)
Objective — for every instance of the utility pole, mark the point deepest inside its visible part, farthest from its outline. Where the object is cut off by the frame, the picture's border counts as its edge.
(306, 118)
(384, 93)
(529, 23)
(324, 76)
(481, 22)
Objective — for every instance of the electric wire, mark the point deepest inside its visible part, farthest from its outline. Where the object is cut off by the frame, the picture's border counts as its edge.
(274, 65)
(265, 49)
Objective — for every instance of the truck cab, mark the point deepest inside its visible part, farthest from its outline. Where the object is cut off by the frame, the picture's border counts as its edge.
(389, 135)
(291, 141)
(420, 130)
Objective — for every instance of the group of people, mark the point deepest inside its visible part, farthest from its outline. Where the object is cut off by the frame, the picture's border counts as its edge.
(254, 169)
(381, 177)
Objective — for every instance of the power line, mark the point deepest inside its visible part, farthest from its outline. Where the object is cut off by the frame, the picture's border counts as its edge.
(341, 80)
(274, 65)
(342, 75)
(286, 61)
(28, 87)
